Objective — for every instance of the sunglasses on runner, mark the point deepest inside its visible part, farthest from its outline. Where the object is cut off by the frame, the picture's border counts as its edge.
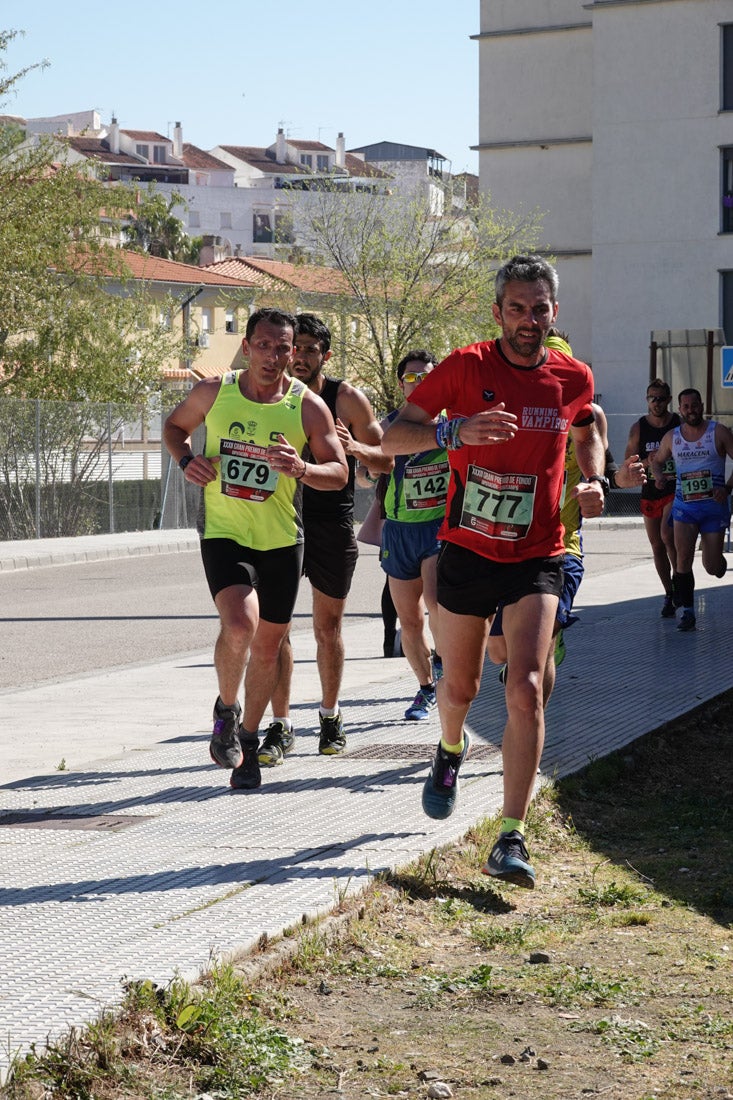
(653, 397)
(413, 376)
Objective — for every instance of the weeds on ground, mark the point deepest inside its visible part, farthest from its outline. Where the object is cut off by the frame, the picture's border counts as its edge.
(613, 977)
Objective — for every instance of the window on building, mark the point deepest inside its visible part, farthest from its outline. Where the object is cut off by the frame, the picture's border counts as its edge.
(159, 154)
(727, 67)
(194, 219)
(143, 151)
(322, 162)
(726, 157)
(225, 219)
(230, 321)
(306, 160)
(261, 229)
(284, 229)
(206, 327)
(726, 288)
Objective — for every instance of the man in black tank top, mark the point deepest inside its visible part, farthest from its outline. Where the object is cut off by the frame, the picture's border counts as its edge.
(330, 546)
(644, 439)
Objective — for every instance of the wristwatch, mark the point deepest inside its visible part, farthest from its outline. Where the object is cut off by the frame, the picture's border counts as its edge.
(185, 461)
(604, 483)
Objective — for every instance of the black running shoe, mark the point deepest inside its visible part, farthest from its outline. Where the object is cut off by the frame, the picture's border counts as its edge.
(687, 622)
(247, 777)
(509, 861)
(668, 608)
(276, 744)
(333, 739)
(224, 746)
(440, 791)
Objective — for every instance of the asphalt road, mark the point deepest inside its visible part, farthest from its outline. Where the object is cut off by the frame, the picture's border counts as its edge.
(60, 622)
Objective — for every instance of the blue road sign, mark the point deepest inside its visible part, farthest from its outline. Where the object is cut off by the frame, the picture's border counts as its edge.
(726, 363)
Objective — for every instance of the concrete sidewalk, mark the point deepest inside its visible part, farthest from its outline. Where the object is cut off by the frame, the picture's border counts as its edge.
(143, 864)
(35, 553)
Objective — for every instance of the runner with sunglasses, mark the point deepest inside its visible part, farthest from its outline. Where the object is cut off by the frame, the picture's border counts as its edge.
(414, 508)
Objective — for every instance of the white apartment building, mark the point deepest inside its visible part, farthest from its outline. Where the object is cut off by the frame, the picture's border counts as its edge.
(616, 118)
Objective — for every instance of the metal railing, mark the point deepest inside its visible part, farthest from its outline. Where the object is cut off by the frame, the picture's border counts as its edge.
(79, 468)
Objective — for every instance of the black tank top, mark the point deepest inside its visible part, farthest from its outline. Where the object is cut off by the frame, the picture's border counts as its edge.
(331, 503)
(649, 440)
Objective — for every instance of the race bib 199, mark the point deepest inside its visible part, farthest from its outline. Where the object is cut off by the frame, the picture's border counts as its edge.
(245, 471)
(697, 486)
(499, 506)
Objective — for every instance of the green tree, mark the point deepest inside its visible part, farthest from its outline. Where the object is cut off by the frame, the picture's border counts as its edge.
(412, 277)
(156, 229)
(73, 324)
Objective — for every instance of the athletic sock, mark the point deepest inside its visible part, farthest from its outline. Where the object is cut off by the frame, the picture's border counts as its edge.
(283, 721)
(329, 712)
(457, 749)
(512, 824)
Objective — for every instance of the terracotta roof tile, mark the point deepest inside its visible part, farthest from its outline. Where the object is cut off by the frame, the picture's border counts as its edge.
(98, 149)
(153, 269)
(144, 135)
(308, 277)
(140, 265)
(357, 167)
(193, 157)
(259, 159)
(313, 146)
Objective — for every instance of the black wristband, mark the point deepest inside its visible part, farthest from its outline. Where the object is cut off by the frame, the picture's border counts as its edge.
(602, 481)
(183, 463)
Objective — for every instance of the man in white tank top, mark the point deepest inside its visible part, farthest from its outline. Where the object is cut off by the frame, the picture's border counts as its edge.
(699, 448)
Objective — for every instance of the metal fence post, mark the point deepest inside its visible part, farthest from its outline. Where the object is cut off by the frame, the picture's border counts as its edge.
(109, 470)
(38, 468)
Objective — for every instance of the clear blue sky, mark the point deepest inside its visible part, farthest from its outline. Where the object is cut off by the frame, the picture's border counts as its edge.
(232, 71)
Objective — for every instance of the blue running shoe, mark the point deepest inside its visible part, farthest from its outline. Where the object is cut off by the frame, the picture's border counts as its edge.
(420, 707)
(440, 792)
(509, 861)
(687, 621)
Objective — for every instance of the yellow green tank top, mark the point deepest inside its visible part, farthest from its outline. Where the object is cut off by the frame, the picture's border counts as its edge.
(249, 501)
(570, 511)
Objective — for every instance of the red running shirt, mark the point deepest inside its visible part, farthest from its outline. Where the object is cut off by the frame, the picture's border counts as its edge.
(504, 499)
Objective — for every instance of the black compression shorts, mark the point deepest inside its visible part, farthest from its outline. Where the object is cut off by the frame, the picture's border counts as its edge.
(469, 584)
(275, 574)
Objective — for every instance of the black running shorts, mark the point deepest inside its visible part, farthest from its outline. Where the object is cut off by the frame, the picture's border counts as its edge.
(330, 555)
(469, 584)
(275, 574)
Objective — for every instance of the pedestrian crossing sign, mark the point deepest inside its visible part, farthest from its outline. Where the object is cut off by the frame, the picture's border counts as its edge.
(726, 362)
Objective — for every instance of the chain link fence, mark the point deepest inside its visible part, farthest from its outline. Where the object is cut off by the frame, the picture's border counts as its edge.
(79, 468)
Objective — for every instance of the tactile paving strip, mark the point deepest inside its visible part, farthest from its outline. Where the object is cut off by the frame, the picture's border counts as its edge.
(205, 872)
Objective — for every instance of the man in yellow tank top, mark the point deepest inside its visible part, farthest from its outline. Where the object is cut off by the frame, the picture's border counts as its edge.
(258, 421)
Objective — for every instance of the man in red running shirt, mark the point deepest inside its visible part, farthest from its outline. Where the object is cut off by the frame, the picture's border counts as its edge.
(510, 404)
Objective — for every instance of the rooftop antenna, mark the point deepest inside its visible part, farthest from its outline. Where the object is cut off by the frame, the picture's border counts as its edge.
(325, 126)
